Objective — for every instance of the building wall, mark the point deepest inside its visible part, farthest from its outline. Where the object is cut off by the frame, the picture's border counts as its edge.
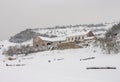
(67, 45)
(38, 42)
(74, 38)
(79, 37)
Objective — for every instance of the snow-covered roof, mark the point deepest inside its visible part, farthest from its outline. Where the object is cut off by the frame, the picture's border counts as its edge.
(53, 39)
(78, 34)
(90, 37)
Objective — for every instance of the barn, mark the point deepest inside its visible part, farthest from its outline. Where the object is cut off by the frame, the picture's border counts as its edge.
(47, 43)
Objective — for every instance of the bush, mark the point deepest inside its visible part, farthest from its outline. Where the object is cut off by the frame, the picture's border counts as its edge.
(109, 44)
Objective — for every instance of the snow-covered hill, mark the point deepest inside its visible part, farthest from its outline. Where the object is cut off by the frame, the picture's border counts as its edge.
(60, 31)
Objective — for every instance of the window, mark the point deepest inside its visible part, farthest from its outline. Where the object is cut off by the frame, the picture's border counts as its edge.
(82, 37)
(72, 38)
(48, 43)
(59, 41)
(37, 45)
(75, 38)
(68, 39)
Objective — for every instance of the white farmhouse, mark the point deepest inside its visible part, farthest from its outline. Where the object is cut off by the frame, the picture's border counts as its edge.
(83, 36)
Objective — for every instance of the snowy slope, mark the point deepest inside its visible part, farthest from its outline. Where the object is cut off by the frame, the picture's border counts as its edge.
(65, 66)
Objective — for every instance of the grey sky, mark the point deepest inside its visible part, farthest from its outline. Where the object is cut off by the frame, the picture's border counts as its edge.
(17, 15)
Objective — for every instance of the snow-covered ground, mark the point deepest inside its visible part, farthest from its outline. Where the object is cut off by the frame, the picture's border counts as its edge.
(61, 66)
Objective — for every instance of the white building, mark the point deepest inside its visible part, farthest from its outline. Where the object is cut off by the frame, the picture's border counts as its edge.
(87, 35)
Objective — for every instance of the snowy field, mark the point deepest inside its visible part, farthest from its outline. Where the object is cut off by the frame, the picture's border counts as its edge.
(61, 66)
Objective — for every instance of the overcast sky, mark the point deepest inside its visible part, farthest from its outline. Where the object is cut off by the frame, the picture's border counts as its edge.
(17, 15)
